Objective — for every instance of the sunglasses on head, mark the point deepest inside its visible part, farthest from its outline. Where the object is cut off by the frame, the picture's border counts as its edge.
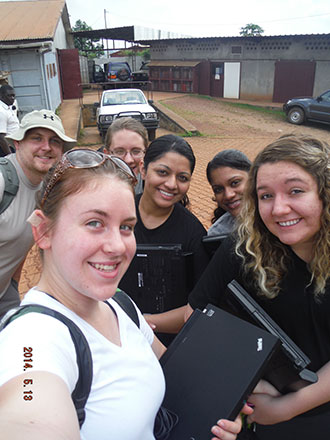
(84, 158)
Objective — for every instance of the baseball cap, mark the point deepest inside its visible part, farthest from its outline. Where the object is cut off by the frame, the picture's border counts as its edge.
(43, 119)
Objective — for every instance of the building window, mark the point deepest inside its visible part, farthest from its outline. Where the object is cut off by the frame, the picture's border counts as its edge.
(236, 49)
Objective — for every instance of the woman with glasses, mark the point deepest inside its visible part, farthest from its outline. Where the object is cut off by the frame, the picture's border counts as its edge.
(163, 218)
(128, 139)
(87, 242)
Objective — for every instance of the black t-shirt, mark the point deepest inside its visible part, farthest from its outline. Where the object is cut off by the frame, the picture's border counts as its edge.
(304, 318)
(182, 227)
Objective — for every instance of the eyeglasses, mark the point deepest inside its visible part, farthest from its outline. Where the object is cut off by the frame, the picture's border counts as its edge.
(84, 158)
(135, 152)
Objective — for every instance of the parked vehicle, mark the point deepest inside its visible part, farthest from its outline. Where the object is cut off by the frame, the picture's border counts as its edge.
(95, 72)
(98, 74)
(302, 109)
(142, 75)
(119, 103)
(118, 71)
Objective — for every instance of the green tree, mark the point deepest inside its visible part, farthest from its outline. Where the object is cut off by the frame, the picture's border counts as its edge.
(89, 47)
(251, 30)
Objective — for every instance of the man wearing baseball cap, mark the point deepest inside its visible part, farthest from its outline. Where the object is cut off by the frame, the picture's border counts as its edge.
(40, 142)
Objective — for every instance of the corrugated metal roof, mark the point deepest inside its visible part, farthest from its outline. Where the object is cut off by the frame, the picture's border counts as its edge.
(173, 63)
(121, 33)
(236, 38)
(29, 20)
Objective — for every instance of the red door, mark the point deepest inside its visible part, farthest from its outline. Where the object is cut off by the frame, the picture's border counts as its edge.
(70, 73)
(217, 77)
(293, 79)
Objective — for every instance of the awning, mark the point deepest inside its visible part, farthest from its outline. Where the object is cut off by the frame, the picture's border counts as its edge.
(172, 63)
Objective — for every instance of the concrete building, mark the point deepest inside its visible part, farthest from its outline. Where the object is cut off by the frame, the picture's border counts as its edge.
(37, 52)
(273, 68)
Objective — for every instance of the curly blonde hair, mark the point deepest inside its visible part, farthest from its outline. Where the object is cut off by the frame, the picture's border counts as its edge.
(263, 253)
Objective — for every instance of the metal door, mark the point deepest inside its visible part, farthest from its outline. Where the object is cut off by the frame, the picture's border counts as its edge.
(293, 79)
(70, 73)
(232, 78)
(217, 79)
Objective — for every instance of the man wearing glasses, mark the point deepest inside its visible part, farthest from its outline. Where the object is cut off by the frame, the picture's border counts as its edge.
(40, 142)
(128, 139)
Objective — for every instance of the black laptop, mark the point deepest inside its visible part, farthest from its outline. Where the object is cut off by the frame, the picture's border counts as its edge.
(287, 371)
(211, 367)
(159, 277)
(212, 242)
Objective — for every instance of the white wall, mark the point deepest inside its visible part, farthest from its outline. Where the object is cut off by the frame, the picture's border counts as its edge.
(60, 37)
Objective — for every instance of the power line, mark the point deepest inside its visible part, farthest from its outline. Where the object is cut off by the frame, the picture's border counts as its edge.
(223, 24)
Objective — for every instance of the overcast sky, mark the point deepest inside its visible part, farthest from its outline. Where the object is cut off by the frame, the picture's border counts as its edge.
(208, 18)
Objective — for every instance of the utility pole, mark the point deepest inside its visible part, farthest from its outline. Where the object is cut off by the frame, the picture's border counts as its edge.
(106, 27)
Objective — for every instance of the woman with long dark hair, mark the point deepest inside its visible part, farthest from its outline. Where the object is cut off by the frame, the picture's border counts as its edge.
(163, 217)
(227, 174)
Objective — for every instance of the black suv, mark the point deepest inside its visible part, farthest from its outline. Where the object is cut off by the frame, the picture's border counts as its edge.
(142, 74)
(118, 71)
(299, 110)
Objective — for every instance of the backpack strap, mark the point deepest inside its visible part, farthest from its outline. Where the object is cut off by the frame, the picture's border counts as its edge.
(11, 183)
(127, 305)
(84, 358)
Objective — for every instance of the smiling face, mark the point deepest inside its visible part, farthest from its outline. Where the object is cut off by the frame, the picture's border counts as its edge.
(167, 180)
(129, 146)
(38, 152)
(92, 242)
(289, 205)
(228, 185)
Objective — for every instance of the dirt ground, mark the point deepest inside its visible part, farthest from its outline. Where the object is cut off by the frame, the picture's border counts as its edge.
(221, 118)
(222, 126)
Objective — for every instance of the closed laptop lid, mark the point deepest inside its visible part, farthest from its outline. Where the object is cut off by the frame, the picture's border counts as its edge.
(212, 242)
(287, 371)
(211, 367)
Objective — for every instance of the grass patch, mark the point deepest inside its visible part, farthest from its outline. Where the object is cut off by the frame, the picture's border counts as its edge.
(174, 109)
(264, 110)
(191, 134)
(257, 108)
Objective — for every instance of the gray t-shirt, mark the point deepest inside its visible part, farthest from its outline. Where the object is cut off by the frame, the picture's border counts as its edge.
(139, 186)
(15, 233)
(224, 225)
